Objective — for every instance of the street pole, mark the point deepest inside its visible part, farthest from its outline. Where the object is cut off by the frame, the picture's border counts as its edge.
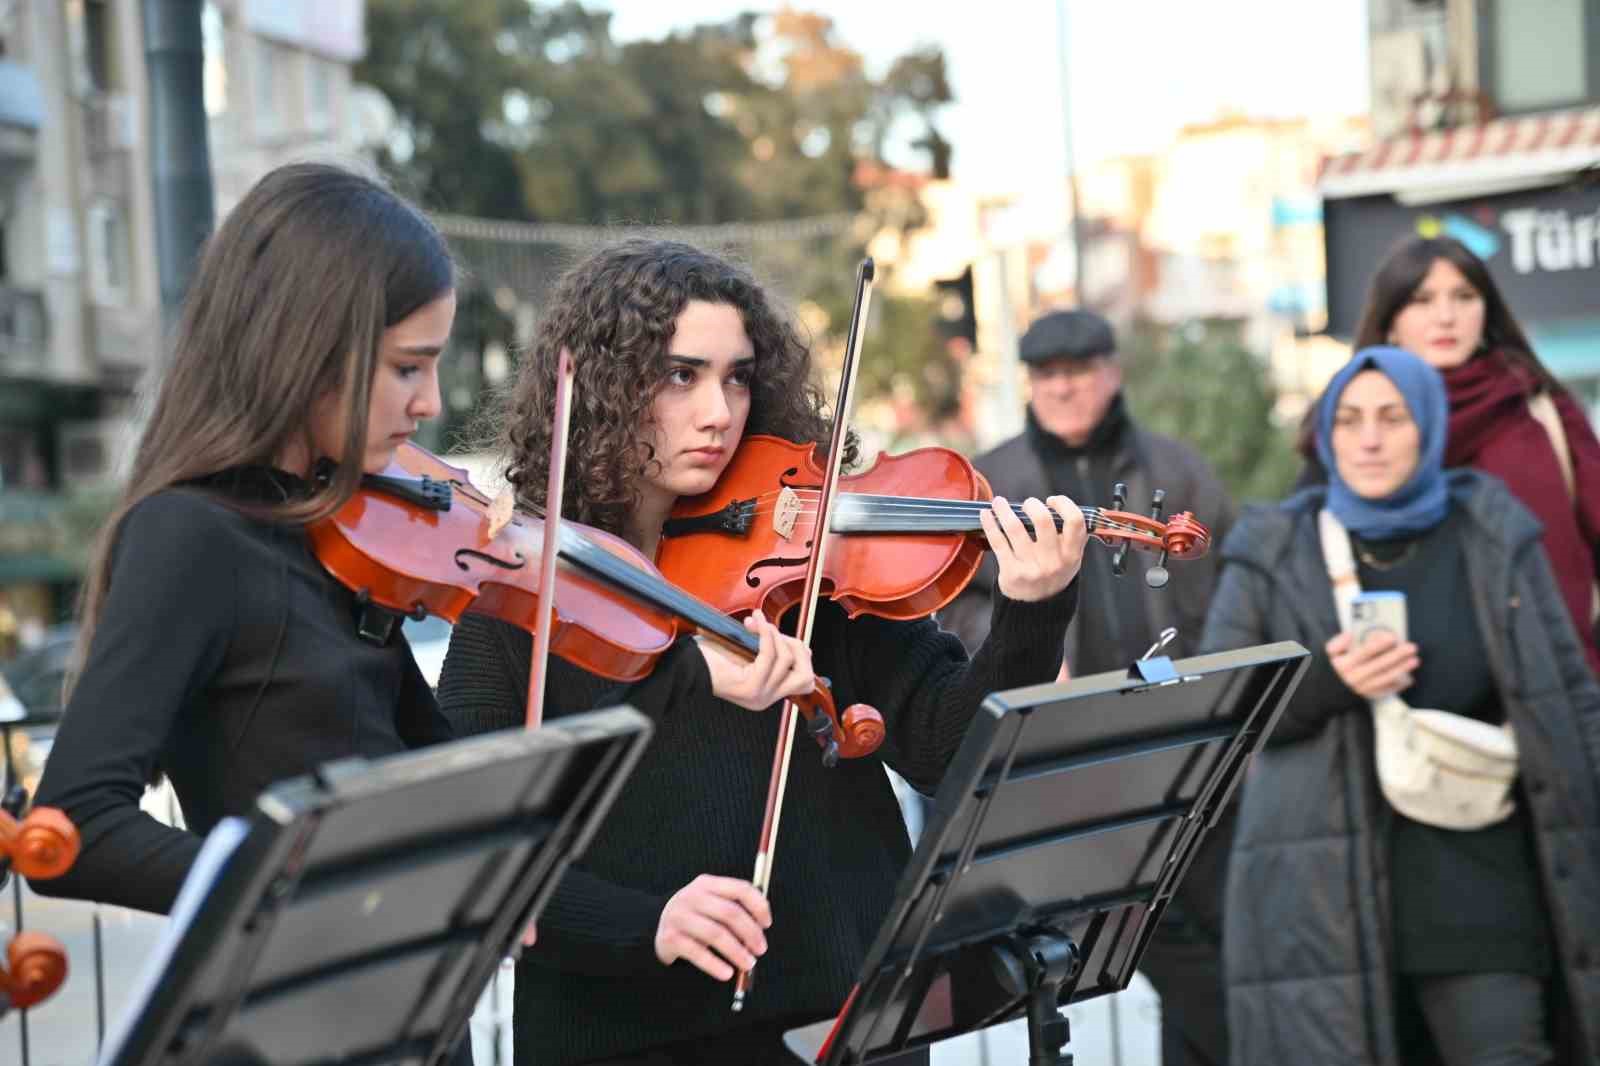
(180, 153)
(1064, 52)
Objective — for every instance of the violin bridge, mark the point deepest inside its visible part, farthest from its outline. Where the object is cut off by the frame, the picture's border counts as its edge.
(500, 511)
(786, 512)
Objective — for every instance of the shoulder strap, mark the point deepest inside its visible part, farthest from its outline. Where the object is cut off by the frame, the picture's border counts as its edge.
(1342, 573)
(1341, 563)
(1543, 410)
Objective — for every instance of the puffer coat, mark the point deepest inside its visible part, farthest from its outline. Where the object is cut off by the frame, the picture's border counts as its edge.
(1307, 939)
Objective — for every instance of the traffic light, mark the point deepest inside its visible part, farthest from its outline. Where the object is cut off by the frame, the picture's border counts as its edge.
(957, 315)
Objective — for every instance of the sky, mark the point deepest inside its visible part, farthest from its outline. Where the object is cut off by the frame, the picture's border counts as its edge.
(1140, 69)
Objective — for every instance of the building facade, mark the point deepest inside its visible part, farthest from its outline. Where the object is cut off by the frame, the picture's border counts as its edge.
(80, 315)
(1488, 116)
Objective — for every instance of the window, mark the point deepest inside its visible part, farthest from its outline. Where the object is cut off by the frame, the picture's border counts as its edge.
(319, 93)
(109, 258)
(1539, 55)
(88, 42)
(21, 461)
(214, 38)
(265, 76)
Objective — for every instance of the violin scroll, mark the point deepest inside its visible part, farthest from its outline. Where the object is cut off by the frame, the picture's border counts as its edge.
(1179, 537)
(863, 725)
(36, 965)
(43, 845)
(855, 733)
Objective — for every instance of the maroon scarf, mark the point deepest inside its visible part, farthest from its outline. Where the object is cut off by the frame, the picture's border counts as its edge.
(1491, 429)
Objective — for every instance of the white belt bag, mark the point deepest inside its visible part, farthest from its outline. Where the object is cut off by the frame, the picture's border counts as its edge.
(1442, 769)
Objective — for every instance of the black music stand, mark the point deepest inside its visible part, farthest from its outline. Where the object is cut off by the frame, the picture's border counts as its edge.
(1062, 828)
(359, 914)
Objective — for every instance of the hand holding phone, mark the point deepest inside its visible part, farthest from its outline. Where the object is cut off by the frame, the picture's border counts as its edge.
(1386, 666)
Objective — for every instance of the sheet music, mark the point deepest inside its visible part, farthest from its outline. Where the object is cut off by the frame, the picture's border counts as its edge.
(220, 844)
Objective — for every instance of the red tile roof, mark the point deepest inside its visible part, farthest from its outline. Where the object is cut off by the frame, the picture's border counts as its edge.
(1506, 150)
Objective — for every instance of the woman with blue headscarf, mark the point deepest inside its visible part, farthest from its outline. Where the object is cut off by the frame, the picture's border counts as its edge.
(1353, 934)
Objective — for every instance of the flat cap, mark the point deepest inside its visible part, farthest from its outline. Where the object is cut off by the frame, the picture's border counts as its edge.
(1067, 335)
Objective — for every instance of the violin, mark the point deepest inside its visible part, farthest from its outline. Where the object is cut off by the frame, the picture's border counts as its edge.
(39, 845)
(905, 536)
(420, 539)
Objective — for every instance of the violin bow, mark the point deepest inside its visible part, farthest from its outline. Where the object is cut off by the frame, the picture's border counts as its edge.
(554, 489)
(778, 782)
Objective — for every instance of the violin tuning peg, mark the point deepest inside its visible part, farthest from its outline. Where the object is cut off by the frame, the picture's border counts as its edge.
(1157, 500)
(1156, 577)
(818, 726)
(830, 753)
(1119, 496)
(1119, 560)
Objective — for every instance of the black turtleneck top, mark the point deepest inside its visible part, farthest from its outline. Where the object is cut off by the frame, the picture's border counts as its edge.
(227, 658)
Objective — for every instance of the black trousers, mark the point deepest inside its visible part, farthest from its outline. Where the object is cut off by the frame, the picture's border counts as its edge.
(1475, 1019)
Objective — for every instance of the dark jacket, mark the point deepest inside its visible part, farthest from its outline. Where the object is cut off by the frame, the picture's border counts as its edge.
(1307, 952)
(1145, 461)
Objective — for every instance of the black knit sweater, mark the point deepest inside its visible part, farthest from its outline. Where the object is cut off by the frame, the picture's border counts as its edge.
(227, 658)
(592, 986)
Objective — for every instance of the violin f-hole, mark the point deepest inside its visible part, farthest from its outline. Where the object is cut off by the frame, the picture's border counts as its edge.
(473, 553)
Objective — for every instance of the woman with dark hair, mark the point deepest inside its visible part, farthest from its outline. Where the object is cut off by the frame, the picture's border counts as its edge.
(214, 648)
(679, 355)
(1355, 933)
(1508, 415)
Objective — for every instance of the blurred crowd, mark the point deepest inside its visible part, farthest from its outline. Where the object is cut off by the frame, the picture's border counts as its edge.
(1411, 872)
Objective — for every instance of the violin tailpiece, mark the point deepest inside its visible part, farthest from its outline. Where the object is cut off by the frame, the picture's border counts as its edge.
(734, 518)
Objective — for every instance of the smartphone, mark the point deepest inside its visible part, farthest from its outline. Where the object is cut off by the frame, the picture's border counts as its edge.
(1377, 612)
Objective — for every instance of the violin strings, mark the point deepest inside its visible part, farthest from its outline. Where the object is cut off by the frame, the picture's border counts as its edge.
(876, 504)
(933, 512)
(946, 510)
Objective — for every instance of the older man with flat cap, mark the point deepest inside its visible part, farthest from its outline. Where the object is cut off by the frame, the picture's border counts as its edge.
(1080, 441)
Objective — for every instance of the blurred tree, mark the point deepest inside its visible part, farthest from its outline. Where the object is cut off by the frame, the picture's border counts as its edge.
(918, 82)
(518, 110)
(531, 111)
(446, 68)
(1199, 383)
(636, 134)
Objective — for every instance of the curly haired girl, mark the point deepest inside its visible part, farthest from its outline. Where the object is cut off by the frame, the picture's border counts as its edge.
(678, 355)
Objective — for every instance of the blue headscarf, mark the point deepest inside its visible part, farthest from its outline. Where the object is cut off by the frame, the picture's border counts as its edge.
(1424, 500)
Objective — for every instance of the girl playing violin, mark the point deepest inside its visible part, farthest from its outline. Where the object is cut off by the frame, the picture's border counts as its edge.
(678, 356)
(214, 647)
